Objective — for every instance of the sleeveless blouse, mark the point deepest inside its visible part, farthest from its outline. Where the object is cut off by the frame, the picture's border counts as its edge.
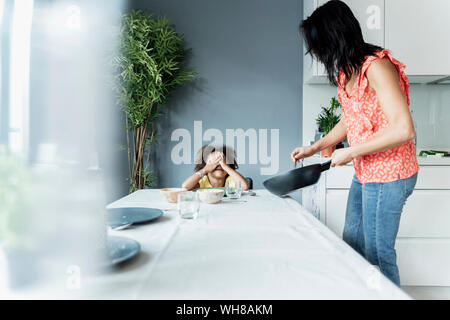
(365, 118)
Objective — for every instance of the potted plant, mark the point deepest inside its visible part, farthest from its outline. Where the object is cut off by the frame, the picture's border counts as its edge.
(326, 121)
(150, 64)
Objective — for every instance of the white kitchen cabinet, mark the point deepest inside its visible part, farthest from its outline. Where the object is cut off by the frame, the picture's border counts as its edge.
(417, 33)
(420, 218)
(431, 177)
(426, 215)
(336, 204)
(423, 244)
(424, 262)
(340, 177)
(370, 15)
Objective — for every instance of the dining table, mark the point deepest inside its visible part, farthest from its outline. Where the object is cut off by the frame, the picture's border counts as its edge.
(260, 247)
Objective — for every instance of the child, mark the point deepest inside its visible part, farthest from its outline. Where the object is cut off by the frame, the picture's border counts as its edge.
(216, 170)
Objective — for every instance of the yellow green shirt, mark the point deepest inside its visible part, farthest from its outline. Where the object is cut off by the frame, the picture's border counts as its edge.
(204, 182)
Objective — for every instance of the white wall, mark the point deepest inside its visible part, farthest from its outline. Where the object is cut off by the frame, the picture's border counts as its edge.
(315, 96)
(430, 105)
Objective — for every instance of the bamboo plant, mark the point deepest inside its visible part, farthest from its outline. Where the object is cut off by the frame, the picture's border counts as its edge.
(150, 64)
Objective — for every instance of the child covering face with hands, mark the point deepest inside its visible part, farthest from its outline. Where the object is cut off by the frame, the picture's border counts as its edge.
(216, 170)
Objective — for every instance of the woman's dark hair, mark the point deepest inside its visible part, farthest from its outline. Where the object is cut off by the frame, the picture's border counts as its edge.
(333, 35)
(205, 151)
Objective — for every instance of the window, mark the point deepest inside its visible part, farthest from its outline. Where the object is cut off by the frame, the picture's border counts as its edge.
(19, 76)
(3, 114)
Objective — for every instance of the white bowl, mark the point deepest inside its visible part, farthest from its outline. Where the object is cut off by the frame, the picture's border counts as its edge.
(211, 196)
(171, 194)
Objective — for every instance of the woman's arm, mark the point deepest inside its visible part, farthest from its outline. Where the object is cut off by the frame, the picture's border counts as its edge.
(384, 80)
(335, 136)
(236, 176)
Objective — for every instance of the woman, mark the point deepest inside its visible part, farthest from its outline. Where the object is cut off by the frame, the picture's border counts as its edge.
(220, 166)
(374, 92)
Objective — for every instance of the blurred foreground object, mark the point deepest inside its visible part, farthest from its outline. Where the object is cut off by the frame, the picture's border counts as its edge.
(59, 153)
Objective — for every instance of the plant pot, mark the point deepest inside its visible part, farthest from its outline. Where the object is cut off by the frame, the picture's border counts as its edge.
(326, 153)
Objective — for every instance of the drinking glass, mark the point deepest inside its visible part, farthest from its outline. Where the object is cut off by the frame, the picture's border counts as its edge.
(233, 189)
(188, 205)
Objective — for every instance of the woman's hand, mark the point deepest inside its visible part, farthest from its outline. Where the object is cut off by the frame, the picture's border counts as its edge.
(341, 157)
(302, 152)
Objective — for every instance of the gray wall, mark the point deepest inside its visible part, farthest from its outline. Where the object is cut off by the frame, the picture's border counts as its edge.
(249, 58)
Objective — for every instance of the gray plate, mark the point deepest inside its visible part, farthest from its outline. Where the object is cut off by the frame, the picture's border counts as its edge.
(122, 216)
(121, 249)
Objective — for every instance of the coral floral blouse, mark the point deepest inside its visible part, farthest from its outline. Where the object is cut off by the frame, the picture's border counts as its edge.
(365, 118)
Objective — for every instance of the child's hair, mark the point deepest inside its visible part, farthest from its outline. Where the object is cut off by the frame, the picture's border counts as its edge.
(206, 150)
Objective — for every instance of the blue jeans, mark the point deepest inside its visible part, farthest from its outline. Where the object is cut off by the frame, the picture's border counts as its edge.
(372, 221)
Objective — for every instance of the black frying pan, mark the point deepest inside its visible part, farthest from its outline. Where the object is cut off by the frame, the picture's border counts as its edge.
(296, 179)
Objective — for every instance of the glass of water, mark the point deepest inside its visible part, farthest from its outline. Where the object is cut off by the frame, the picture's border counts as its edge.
(233, 189)
(188, 205)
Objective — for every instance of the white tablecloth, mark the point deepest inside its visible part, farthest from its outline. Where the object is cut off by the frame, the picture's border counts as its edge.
(265, 248)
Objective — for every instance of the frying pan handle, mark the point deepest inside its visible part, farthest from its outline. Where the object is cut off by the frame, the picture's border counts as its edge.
(325, 166)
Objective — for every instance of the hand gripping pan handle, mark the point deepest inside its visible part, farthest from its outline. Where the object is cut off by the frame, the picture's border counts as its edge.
(325, 166)
(296, 179)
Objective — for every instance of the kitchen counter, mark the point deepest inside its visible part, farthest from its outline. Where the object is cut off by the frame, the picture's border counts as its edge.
(424, 233)
(423, 161)
(432, 161)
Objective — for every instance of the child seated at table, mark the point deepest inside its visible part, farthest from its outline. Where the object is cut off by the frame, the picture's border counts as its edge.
(214, 167)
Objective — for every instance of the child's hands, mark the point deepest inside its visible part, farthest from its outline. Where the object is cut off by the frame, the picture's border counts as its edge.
(213, 162)
(223, 163)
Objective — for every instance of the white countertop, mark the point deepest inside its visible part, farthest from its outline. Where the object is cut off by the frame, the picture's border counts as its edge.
(432, 161)
(423, 161)
(265, 248)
